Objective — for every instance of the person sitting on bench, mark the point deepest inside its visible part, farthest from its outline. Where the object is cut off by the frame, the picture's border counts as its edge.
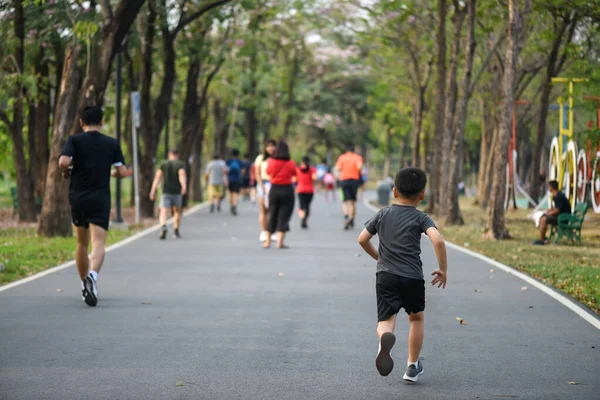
(561, 206)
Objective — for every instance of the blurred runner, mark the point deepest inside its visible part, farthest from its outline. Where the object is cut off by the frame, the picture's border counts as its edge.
(329, 183)
(234, 177)
(305, 177)
(263, 185)
(216, 177)
(349, 166)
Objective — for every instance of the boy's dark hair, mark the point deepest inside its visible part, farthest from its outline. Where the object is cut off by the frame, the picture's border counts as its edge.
(553, 185)
(282, 151)
(216, 156)
(410, 182)
(350, 147)
(235, 153)
(91, 115)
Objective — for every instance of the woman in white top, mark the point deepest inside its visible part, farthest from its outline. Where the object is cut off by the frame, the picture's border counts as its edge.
(263, 185)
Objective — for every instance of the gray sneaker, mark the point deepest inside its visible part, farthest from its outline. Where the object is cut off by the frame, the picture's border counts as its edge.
(384, 362)
(413, 373)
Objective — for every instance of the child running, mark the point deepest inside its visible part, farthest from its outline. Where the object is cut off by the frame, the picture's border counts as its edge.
(329, 182)
(400, 282)
(305, 177)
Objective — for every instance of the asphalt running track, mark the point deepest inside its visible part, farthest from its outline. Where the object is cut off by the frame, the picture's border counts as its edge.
(214, 316)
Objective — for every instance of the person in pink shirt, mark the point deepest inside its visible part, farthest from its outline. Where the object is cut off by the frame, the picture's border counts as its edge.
(282, 170)
(329, 183)
(305, 177)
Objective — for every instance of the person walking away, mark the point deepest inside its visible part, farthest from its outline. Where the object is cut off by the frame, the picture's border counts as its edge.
(246, 177)
(216, 177)
(282, 170)
(235, 171)
(87, 159)
(305, 177)
(550, 217)
(400, 282)
(329, 182)
(263, 185)
(174, 177)
(349, 166)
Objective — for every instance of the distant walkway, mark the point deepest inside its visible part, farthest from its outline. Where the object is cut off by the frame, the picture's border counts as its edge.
(214, 316)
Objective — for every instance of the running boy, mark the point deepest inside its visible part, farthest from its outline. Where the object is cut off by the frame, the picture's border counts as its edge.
(400, 282)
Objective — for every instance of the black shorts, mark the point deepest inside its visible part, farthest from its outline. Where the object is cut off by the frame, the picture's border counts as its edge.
(395, 292)
(83, 219)
(305, 199)
(245, 183)
(552, 219)
(350, 189)
(234, 187)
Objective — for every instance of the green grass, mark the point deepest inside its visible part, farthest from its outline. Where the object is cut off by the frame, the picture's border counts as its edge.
(23, 253)
(572, 269)
(5, 199)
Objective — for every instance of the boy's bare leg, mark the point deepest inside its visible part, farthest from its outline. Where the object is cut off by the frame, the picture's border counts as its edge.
(81, 254)
(386, 326)
(415, 335)
(98, 243)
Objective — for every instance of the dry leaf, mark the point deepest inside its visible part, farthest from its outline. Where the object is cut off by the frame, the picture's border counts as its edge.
(461, 321)
(515, 257)
(573, 383)
(281, 274)
(524, 288)
(59, 290)
(146, 302)
(477, 291)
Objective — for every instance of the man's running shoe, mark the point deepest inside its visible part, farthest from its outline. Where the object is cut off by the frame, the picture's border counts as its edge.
(352, 223)
(303, 224)
(212, 208)
(176, 234)
(263, 236)
(413, 373)
(234, 211)
(383, 361)
(163, 234)
(347, 224)
(90, 291)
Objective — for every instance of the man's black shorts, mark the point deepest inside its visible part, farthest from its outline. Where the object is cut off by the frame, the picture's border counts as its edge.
(350, 189)
(234, 187)
(395, 292)
(552, 219)
(83, 219)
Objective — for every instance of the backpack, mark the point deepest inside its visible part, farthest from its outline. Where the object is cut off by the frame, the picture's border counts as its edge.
(235, 170)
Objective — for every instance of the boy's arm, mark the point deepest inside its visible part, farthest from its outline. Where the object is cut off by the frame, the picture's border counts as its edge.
(364, 239)
(440, 251)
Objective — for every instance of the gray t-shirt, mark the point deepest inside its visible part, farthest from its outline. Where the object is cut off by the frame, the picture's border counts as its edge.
(215, 170)
(399, 228)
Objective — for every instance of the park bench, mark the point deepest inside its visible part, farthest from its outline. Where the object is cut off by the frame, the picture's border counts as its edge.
(15, 200)
(569, 225)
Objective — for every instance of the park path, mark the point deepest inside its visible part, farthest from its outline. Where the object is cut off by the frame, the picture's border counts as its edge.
(214, 316)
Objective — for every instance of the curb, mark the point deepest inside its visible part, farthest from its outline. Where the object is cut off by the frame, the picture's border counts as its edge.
(113, 246)
(561, 298)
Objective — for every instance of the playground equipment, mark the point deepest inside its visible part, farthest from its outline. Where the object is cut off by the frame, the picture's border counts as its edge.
(513, 184)
(563, 149)
(588, 171)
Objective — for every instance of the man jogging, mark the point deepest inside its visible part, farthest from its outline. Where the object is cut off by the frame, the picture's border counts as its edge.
(172, 173)
(349, 166)
(235, 171)
(216, 178)
(87, 158)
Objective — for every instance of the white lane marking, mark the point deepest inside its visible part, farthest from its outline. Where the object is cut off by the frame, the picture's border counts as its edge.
(114, 246)
(562, 299)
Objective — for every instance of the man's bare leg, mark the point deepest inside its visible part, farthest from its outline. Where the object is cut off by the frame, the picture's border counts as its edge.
(352, 209)
(543, 227)
(176, 218)
(81, 254)
(98, 243)
(162, 216)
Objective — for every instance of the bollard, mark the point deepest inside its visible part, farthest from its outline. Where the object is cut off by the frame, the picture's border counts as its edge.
(383, 194)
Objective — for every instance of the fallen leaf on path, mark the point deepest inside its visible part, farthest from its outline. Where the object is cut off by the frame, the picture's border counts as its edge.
(524, 288)
(179, 384)
(281, 274)
(477, 291)
(530, 306)
(573, 383)
(146, 302)
(59, 290)
(461, 321)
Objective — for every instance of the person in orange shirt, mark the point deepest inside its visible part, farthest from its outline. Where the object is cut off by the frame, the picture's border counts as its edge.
(349, 166)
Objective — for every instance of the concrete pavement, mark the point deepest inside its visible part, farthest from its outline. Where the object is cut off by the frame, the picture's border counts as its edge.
(214, 316)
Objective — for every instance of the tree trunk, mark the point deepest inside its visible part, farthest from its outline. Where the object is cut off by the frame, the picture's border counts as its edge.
(454, 215)
(426, 144)
(191, 112)
(251, 125)
(220, 128)
(488, 172)
(291, 100)
(196, 178)
(416, 129)
(440, 95)
(42, 128)
(388, 152)
(484, 152)
(496, 224)
(55, 219)
(449, 114)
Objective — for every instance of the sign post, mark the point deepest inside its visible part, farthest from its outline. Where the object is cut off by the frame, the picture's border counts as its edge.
(135, 116)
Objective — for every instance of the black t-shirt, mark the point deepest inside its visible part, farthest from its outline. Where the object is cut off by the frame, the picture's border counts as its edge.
(93, 156)
(562, 203)
(170, 169)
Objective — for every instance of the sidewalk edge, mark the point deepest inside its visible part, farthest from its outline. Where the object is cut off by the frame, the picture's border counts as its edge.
(561, 298)
(113, 246)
